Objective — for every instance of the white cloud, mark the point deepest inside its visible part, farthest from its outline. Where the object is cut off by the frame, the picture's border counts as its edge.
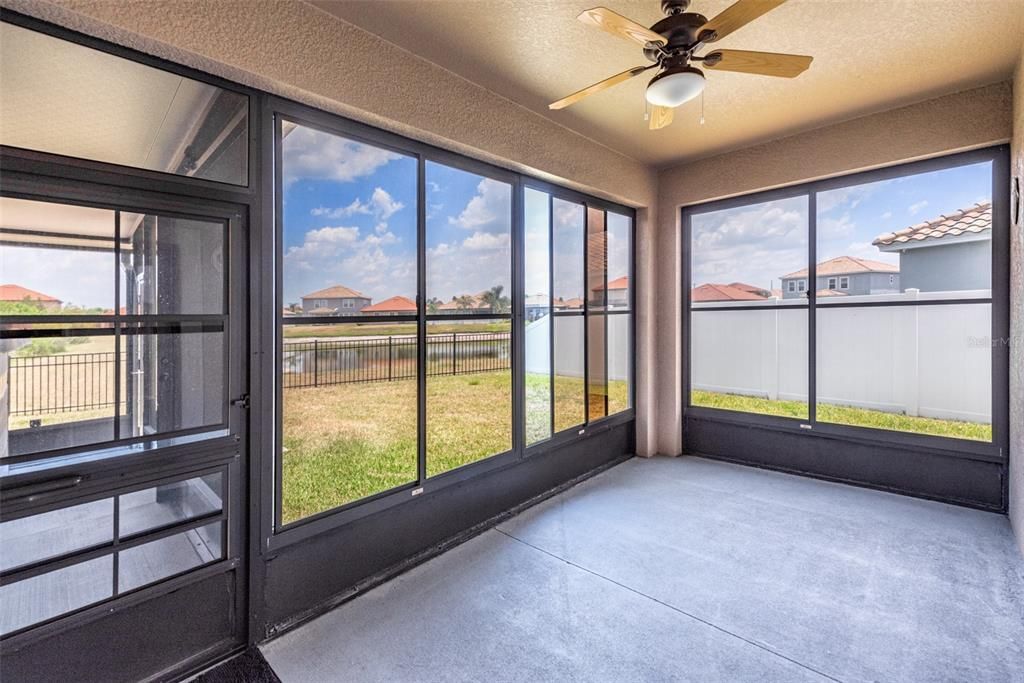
(488, 211)
(847, 197)
(310, 153)
(456, 269)
(344, 255)
(913, 209)
(380, 204)
(384, 206)
(480, 241)
(833, 228)
(567, 214)
(381, 238)
(756, 245)
(870, 251)
(320, 244)
(355, 207)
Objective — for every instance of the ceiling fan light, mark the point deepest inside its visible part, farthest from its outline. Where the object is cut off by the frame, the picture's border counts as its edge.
(675, 86)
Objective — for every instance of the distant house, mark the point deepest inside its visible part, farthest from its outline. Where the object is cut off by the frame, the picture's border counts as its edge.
(467, 303)
(23, 295)
(845, 276)
(947, 253)
(336, 300)
(618, 292)
(761, 292)
(536, 306)
(396, 305)
(573, 304)
(737, 291)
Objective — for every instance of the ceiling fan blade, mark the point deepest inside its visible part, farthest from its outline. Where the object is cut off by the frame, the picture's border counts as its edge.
(660, 117)
(620, 26)
(736, 16)
(762, 63)
(599, 86)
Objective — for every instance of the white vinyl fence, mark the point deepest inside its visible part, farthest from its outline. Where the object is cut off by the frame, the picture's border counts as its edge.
(929, 361)
(569, 356)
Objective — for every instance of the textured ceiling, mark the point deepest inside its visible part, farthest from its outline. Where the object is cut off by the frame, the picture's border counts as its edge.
(868, 56)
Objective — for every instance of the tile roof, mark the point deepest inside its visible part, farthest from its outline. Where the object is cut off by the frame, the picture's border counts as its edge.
(396, 304)
(562, 304)
(617, 283)
(847, 265)
(972, 220)
(713, 292)
(336, 292)
(760, 291)
(19, 293)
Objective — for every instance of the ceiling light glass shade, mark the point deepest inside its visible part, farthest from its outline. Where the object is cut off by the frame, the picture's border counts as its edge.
(675, 86)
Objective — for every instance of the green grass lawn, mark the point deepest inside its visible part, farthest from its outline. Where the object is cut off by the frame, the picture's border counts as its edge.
(344, 442)
(857, 417)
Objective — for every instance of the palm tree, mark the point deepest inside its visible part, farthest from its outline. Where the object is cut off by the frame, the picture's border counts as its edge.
(463, 302)
(493, 298)
(432, 304)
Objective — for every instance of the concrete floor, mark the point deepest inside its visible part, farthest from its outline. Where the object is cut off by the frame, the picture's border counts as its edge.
(689, 569)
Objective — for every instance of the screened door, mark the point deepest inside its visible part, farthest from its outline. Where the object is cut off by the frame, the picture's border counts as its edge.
(123, 428)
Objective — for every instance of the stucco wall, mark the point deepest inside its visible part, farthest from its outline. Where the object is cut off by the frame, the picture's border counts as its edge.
(300, 52)
(1017, 317)
(966, 120)
(963, 265)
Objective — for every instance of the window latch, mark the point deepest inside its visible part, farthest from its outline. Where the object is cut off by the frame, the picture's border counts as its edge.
(242, 402)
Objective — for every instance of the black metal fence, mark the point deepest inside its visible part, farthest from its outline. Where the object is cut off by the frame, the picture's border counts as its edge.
(61, 384)
(85, 381)
(381, 359)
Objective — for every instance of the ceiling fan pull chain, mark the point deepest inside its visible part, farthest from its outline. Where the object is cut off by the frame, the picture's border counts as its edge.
(702, 107)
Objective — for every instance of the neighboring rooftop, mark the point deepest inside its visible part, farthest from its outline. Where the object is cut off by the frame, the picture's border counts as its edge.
(753, 289)
(336, 292)
(847, 265)
(561, 304)
(396, 304)
(972, 221)
(19, 293)
(715, 292)
(617, 283)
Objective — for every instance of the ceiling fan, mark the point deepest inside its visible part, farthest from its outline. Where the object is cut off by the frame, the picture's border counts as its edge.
(671, 43)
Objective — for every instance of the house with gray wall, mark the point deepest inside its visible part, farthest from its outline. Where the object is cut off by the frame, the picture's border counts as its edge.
(336, 300)
(844, 276)
(948, 253)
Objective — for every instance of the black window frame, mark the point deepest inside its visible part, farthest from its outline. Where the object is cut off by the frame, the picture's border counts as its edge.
(255, 203)
(276, 535)
(994, 451)
(573, 432)
(18, 185)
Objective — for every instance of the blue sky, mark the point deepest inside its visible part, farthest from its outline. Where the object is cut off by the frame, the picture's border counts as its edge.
(759, 244)
(568, 242)
(350, 219)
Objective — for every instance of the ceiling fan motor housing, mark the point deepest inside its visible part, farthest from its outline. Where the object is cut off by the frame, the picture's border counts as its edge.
(680, 30)
(671, 7)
